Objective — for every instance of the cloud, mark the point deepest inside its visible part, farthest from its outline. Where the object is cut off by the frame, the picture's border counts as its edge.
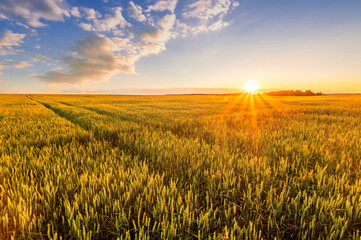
(151, 48)
(12, 64)
(8, 40)
(42, 58)
(11, 39)
(163, 34)
(84, 12)
(32, 11)
(2, 17)
(121, 42)
(91, 14)
(110, 21)
(163, 5)
(155, 36)
(167, 21)
(95, 60)
(86, 26)
(75, 12)
(209, 13)
(235, 4)
(20, 65)
(9, 51)
(136, 12)
(207, 9)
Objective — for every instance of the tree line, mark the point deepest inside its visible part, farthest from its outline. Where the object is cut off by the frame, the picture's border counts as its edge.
(293, 93)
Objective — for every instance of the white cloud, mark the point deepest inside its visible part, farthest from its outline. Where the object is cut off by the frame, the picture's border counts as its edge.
(21, 65)
(110, 21)
(42, 58)
(10, 51)
(95, 61)
(209, 13)
(32, 11)
(91, 14)
(12, 64)
(163, 5)
(162, 35)
(2, 17)
(11, 39)
(167, 21)
(121, 42)
(86, 26)
(75, 12)
(84, 12)
(151, 48)
(207, 9)
(152, 35)
(154, 41)
(8, 40)
(136, 12)
(181, 28)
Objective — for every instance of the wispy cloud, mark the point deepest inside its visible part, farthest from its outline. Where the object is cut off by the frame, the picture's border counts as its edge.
(207, 9)
(12, 64)
(9, 40)
(32, 11)
(163, 5)
(110, 21)
(136, 12)
(209, 13)
(86, 26)
(38, 57)
(95, 60)
(91, 14)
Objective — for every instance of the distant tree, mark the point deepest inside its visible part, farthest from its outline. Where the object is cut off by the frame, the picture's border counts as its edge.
(293, 93)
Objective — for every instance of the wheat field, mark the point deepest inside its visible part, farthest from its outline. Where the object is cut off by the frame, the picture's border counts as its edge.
(180, 167)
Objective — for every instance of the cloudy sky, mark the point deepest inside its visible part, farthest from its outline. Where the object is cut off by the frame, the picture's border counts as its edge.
(170, 46)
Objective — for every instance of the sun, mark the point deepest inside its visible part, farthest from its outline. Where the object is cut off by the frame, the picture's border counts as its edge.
(251, 86)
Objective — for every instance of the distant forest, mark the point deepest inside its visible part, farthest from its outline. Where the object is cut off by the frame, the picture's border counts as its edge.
(293, 93)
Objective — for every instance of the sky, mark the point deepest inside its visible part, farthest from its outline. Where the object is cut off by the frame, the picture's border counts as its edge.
(184, 46)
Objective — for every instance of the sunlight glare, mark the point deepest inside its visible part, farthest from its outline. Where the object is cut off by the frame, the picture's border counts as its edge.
(251, 86)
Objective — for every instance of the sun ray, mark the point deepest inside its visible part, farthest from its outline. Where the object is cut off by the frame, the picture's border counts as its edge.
(252, 113)
(231, 103)
(279, 107)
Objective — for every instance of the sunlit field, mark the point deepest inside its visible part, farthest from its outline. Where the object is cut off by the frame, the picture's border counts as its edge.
(180, 167)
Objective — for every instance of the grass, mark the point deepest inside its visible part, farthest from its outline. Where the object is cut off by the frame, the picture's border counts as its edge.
(180, 167)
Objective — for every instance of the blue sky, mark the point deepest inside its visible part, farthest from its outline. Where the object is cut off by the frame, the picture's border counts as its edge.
(175, 46)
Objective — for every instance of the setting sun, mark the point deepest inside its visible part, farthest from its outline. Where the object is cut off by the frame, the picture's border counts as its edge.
(251, 86)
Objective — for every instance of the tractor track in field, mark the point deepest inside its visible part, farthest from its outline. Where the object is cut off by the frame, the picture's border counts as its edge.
(87, 127)
(61, 114)
(137, 121)
(99, 111)
(112, 136)
(99, 133)
(139, 149)
(131, 147)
